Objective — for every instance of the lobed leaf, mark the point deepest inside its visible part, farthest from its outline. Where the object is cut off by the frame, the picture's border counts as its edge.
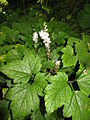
(84, 82)
(21, 71)
(57, 93)
(24, 99)
(78, 107)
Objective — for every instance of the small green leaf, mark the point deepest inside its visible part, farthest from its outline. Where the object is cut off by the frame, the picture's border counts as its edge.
(34, 62)
(54, 55)
(5, 48)
(59, 37)
(68, 57)
(82, 53)
(37, 116)
(48, 64)
(10, 35)
(83, 18)
(87, 8)
(40, 83)
(84, 82)
(24, 99)
(78, 107)
(12, 55)
(57, 93)
(72, 40)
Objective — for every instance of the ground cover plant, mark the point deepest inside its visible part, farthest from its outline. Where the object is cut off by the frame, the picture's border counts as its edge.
(44, 66)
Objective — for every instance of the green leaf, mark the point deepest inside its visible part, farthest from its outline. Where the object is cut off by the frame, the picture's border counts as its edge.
(78, 107)
(84, 82)
(51, 117)
(82, 53)
(21, 49)
(34, 62)
(40, 83)
(42, 52)
(10, 34)
(37, 116)
(87, 8)
(57, 93)
(5, 48)
(48, 64)
(24, 99)
(12, 55)
(4, 112)
(23, 27)
(59, 37)
(2, 38)
(21, 71)
(84, 19)
(17, 53)
(17, 70)
(54, 55)
(72, 40)
(68, 57)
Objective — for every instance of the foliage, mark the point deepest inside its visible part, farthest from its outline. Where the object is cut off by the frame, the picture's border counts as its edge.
(40, 81)
(2, 3)
(84, 17)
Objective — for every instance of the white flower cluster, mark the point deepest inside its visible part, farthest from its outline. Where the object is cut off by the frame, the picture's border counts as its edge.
(35, 37)
(45, 37)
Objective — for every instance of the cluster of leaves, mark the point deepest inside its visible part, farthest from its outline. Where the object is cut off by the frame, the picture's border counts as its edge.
(32, 86)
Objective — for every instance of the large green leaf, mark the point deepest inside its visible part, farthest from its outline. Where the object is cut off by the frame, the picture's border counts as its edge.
(78, 107)
(24, 99)
(17, 70)
(57, 93)
(21, 71)
(68, 57)
(84, 82)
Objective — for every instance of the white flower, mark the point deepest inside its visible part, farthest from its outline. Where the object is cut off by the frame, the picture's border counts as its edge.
(45, 37)
(43, 34)
(57, 63)
(35, 37)
(47, 45)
